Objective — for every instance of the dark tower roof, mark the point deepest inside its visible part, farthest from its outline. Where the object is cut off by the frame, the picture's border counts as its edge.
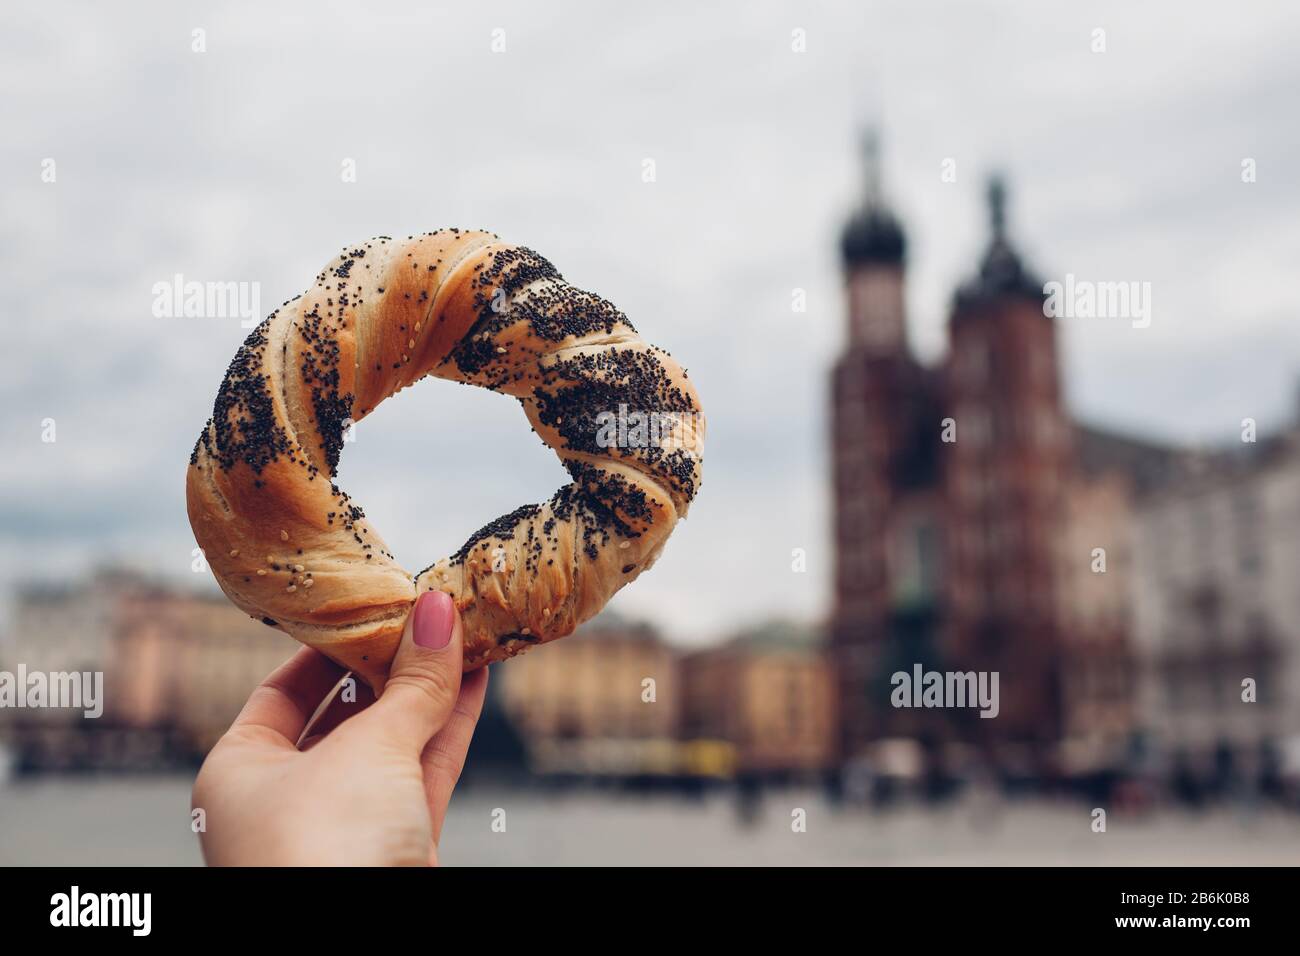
(1001, 273)
(873, 233)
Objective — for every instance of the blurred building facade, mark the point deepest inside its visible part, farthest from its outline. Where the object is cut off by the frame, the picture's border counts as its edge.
(604, 701)
(1215, 636)
(177, 667)
(769, 693)
(612, 701)
(1095, 564)
(615, 700)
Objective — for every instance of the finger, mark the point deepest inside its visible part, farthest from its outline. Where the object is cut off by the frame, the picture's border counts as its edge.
(424, 680)
(285, 701)
(337, 710)
(444, 756)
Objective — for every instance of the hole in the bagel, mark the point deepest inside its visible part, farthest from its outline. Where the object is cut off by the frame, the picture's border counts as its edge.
(438, 461)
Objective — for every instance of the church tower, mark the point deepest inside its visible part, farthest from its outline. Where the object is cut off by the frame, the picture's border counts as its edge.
(879, 396)
(1003, 478)
(873, 249)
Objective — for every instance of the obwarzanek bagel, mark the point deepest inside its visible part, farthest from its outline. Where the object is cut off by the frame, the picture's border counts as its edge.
(288, 546)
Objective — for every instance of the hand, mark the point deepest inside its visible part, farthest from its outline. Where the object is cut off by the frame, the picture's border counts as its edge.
(368, 784)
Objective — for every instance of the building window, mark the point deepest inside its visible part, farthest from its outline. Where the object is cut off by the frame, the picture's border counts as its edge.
(975, 365)
(975, 425)
(1246, 529)
(916, 562)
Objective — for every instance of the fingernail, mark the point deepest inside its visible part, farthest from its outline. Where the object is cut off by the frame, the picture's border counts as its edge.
(434, 616)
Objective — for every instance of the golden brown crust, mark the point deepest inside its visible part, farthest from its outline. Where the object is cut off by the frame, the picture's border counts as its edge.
(289, 546)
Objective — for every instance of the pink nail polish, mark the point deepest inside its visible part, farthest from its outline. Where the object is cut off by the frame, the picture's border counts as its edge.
(434, 615)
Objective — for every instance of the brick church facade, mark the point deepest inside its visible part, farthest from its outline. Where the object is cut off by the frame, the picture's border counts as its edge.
(949, 488)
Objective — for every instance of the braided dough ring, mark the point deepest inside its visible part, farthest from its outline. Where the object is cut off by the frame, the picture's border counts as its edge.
(289, 547)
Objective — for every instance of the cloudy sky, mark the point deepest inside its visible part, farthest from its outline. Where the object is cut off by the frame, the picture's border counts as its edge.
(225, 165)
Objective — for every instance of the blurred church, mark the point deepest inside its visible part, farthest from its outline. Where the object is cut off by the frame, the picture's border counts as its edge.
(948, 488)
(977, 527)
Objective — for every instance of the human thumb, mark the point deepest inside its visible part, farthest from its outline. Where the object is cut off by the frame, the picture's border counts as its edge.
(424, 680)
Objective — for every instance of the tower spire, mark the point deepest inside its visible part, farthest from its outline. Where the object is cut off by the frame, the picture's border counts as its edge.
(871, 165)
(873, 234)
(997, 198)
(1001, 270)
